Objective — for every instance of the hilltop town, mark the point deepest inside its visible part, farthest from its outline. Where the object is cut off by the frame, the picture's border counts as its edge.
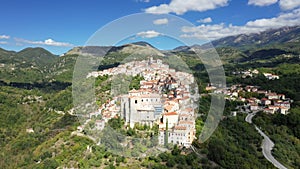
(166, 98)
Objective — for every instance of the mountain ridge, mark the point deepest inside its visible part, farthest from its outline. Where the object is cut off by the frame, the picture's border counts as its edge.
(272, 36)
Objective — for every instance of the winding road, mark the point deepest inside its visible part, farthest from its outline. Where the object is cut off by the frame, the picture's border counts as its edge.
(267, 144)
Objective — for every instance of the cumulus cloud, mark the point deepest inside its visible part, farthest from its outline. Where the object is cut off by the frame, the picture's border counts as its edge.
(3, 42)
(216, 31)
(284, 4)
(148, 34)
(262, 2)
(180, 7)
(205, 20)
(49, 42)
(161, 21)
(289, 4)
(4, 37)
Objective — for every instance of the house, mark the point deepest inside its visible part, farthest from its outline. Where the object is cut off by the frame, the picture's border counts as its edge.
(171, 118)
(281, 96)
(248, 88)
(262, 92)
(275, 108)
(80, 128)
(254, 89)
(235, 94)
(270, 111)
(178, 135)
(283, 110)
(99, 124)
(29, 130)
(282, 103)
(255, 71)
(253, 107)
(272, 96)
(265, 101)
(271, 76)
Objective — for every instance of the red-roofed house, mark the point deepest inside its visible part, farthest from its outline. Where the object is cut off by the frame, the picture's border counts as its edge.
(265, 101)
(171, 117)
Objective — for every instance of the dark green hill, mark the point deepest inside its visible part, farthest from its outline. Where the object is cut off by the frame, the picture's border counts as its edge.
(26, 66)
(37, 56)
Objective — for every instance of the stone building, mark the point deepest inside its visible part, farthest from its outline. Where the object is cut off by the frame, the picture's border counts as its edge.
(141, 106)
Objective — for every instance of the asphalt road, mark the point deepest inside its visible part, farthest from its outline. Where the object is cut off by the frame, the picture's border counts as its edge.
(249, 117)
(267, 144)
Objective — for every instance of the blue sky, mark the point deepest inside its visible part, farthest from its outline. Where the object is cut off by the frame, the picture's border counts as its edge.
(59, 25)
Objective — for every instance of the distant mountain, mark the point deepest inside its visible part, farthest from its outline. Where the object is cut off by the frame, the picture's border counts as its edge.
(142, 43)
(272, 36)
(38, 64)
(90, 50)
(38, 56)
(182, 49)
(265, 45)
(136, 47)
(27, 65)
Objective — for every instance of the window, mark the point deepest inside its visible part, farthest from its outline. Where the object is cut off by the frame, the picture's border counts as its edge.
(135, 101)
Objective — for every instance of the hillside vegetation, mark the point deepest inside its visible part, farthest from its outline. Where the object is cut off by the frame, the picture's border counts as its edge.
(36, 107)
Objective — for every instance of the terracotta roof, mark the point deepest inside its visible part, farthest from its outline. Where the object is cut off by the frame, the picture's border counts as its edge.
(272, 107)
(180, 128)
(283, 107)
(185, 97)
(171, 114)
(189, 109)
(186, 122)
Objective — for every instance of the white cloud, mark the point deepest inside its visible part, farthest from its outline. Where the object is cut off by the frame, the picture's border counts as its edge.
(161, 21)
(205, 20)
(216, 31)
(284, 4)
(3, 42)
(289, 4)
(48, 42)
(4, 37)
(180, 7)
(262, 2)
(146, 1)
(148, 34)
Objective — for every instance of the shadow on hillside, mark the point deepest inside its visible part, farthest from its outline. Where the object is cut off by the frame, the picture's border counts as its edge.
(44, 86)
